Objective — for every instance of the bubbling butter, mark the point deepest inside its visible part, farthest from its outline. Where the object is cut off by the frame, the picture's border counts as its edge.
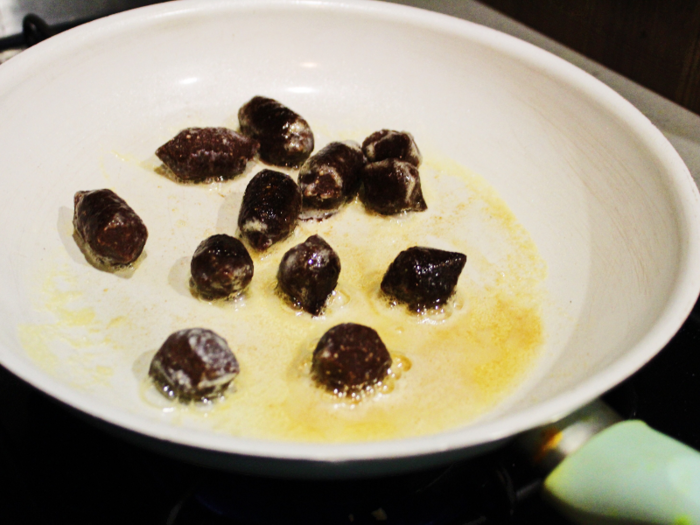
(449, 366)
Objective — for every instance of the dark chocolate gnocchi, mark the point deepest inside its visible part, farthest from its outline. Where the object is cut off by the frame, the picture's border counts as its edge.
(194, 364)
(422, 277)
(392, 186)
(270, 209)
(308, 274)
(285, 137)
(221, 268)
(207, 154)
(389, 144)
(349, 358)
(110, 230)
(331, 177)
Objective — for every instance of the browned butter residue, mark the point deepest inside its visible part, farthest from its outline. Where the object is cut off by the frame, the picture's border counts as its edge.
(457, 364)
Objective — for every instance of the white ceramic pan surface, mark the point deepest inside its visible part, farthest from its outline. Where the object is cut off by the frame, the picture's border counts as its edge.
(606, 200)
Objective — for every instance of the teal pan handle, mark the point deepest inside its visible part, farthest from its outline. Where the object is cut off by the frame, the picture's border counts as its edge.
(620, 473)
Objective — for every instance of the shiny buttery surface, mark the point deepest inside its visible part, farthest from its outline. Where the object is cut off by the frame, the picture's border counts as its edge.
(449, 366)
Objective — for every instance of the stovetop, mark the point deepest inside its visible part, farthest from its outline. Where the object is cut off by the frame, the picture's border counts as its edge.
(64, 470)
(58, 468)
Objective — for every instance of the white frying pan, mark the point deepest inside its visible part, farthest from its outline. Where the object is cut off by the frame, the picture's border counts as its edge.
(609, 204)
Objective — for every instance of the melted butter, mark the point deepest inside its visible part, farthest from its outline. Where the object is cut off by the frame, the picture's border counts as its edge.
(462, 361)
(449, 368)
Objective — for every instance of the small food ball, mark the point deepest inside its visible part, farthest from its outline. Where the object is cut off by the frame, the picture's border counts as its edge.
(193, 365)
(423, 277)
(350, 357)
(389, 144)
(270, 209)
(112, 232)
(207, 154)
(221, 267)
(285, 137)
(331, 177)
(308, 274)
(392, 186)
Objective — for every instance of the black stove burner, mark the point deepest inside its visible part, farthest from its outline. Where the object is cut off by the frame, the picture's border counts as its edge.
(55, 16)
(478, 491)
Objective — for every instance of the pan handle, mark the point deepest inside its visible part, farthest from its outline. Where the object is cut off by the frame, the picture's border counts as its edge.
(622, 472)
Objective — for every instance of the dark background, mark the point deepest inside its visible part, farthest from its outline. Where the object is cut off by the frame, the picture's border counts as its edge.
(656, 43)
